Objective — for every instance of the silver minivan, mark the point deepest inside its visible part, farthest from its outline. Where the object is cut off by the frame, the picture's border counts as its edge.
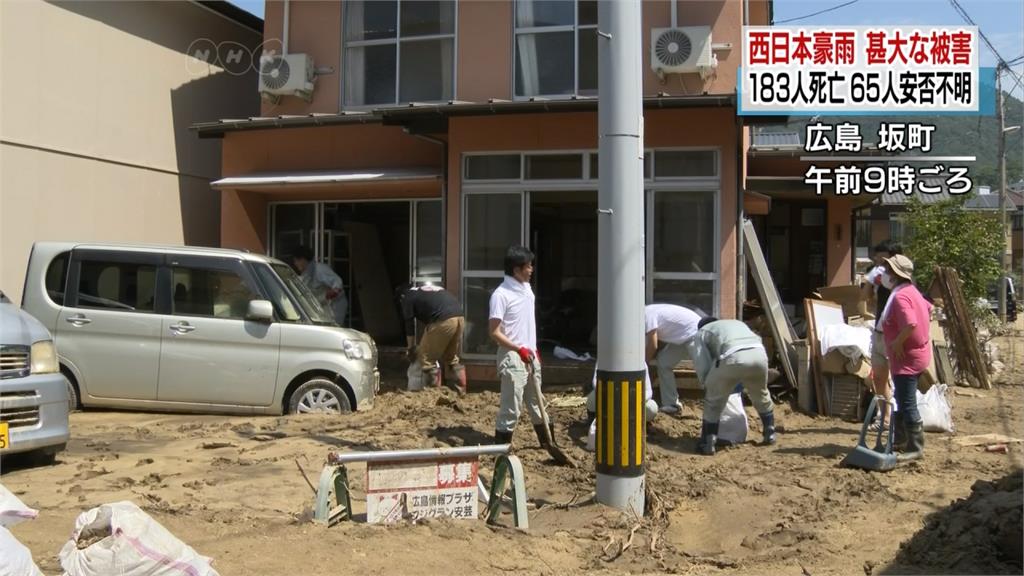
(33, 393)
(194, 329)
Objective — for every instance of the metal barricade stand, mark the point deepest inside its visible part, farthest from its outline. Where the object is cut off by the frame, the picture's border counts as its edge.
(508, 475)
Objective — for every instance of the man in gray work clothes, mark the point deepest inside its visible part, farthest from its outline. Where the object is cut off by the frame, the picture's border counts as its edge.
(727, 353)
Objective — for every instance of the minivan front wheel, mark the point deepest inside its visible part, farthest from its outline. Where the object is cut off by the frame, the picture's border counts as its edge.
(319, 396)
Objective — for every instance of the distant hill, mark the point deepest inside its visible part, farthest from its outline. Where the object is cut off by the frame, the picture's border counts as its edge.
(953, 136)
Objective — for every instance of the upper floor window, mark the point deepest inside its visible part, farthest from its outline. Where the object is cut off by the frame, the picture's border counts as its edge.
(399, 51)
(556, 47)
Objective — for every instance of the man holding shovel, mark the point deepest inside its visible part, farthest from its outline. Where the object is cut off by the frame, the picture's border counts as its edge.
(513, 327)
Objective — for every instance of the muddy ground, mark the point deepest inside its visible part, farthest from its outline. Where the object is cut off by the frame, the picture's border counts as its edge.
(230, 487)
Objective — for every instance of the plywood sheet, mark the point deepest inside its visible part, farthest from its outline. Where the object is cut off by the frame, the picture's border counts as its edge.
(782, 329)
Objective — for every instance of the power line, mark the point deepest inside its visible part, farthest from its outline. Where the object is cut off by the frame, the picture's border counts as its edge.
(963, 13)
(804, 17)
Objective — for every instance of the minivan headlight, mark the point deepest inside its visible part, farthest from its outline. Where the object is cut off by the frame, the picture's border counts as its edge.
(356, 349)
(44, 357)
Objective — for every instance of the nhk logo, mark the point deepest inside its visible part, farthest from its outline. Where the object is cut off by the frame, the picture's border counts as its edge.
(232, 57)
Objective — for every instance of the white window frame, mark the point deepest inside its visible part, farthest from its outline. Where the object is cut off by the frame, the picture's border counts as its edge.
(397, 41)
(652, 185)
(575, 28)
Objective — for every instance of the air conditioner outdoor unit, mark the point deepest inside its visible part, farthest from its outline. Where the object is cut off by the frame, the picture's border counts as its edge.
(682, 50)
(286, 75)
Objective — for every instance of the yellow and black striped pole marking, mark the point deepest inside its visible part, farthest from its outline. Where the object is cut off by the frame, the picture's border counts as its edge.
(620, 423)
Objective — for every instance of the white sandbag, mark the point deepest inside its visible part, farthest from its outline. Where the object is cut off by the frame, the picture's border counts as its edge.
(935, 410)
(12, 509)
(15, 558)
(732, 426)
(121, 539)
(592, 437)
(415, 376)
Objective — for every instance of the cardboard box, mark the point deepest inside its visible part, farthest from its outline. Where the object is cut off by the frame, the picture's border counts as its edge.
(834, 363)
(848, 296)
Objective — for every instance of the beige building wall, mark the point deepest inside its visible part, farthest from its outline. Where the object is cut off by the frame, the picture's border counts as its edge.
(95, 108)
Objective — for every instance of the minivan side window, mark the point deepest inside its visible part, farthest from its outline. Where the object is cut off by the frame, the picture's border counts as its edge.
(121, 286)
(57, 278)
(211, 292)
(285, 307)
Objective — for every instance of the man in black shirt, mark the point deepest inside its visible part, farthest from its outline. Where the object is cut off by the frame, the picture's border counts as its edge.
(879, 357)
(441, 312)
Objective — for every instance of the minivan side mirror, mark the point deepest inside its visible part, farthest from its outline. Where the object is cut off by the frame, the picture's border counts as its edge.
(260, 311)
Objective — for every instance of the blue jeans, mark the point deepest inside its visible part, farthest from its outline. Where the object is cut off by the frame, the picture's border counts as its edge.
(906, 397)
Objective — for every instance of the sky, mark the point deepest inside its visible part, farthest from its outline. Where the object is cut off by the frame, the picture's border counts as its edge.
(1002, 21)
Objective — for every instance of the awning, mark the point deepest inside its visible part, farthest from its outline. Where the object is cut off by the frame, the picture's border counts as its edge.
(326, 178)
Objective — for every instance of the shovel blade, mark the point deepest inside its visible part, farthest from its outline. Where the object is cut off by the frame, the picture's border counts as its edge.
(866, 459)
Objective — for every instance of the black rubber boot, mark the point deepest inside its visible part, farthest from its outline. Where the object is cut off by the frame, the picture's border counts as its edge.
(541, 437)
(768, 428)
(502, 437)
(915, 443)
(708, 438)
(899, 441)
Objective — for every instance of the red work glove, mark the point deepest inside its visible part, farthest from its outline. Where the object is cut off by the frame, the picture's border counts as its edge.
(526, 355)
(332, 294)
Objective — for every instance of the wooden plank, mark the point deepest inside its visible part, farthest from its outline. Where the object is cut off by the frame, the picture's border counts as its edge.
(376, 293)
(782, 330)
(820, 314)
(966, 348)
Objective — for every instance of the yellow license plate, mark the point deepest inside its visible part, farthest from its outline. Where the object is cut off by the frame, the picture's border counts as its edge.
(5, 436)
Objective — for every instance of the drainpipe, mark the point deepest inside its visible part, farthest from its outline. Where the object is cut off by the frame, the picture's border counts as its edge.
(286, 26)
(741, 264)
(444, 201)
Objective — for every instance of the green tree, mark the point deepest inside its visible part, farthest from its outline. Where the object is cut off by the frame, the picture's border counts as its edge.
(945, 234)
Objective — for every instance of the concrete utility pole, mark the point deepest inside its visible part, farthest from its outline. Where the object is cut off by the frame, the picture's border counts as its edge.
(1002, 192)
(621, 439)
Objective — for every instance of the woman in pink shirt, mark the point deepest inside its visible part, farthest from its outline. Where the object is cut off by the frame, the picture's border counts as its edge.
(905, 324)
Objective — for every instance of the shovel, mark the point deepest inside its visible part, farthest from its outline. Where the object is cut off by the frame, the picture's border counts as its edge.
(881, 458)
(556, 453)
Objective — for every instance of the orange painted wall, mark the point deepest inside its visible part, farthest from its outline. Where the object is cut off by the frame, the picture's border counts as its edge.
(244, 213)
(839, 254)
(327, 147)
(485, 51)
(315, 29)
(484, 58)
(663, 128)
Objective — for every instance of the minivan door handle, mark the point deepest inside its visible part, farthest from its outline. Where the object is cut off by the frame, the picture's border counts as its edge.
(78, 320)
(182, 328)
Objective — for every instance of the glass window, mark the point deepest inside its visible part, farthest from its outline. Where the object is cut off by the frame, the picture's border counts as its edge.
(57, 278)
(429, 233)
(399, 51)
(116, 286)
(214, 293)
(477, 297)
(493, 223)
(685, 163)
(287, 309)
(556, 47)
(493, 167)
(554, 167)
(698, 295)
(303, 295)
(684, 232)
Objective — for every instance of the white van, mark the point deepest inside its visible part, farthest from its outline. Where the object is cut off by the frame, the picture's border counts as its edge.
(195, 329)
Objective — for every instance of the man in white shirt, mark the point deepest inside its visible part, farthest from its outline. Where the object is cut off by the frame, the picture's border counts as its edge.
(513, 327)
(670, 328)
